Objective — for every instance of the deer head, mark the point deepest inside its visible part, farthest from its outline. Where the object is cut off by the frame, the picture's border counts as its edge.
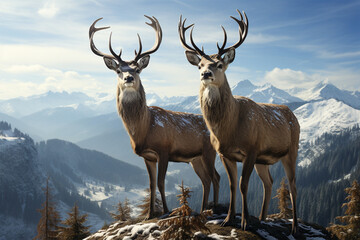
(212, 67)
(128, 72)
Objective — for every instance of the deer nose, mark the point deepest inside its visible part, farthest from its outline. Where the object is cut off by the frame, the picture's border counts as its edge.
(206, 75)
(129, 79)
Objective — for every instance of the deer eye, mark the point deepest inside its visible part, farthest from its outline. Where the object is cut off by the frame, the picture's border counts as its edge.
(137, 70)
(118, 71)
(220, 66)
(199, 67)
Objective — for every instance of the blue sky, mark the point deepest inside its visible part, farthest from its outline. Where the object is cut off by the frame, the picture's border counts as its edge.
(44, 44)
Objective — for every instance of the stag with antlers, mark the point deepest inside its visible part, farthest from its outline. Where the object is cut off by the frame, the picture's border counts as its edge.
(256, 134)
(159, 135)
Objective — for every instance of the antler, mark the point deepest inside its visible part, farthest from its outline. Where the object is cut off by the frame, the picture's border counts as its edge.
(182, 29)
(92, 31)
(243, 30)
(156, 26)
(118, 57)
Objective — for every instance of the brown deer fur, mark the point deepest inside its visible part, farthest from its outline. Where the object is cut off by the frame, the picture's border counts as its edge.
(256, 134)
(160, 136)
(244, 131)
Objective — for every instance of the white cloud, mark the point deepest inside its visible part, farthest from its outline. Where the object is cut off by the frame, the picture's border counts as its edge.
(288, 78)
(344, 78)
(332, 55)
(49, 10)
(321, 52)
(31, 56)
(18, 83)
(22, 69)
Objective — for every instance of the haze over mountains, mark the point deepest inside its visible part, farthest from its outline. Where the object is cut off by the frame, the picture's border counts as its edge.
(81, 142)
(94, 123)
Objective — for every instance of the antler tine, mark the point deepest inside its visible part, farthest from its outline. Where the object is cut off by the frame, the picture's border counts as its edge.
(225, 39)
(118, 57)
(156, 26)
(92, 31)
(182, 29)
(200, 52)
(243, 30)
(140, 46)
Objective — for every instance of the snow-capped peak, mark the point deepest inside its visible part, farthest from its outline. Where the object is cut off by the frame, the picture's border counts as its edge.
(266, 93)
(317, 118)
(243, 88)
(326, 90)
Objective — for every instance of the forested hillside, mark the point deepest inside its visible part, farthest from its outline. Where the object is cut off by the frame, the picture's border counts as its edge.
(320, 185)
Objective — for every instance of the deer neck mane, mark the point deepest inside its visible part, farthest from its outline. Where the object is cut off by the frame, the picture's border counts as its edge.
(134, 112)
(217, 103)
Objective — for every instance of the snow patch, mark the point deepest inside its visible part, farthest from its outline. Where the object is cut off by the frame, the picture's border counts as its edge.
(346, 177)
(265, 235)
(7, 138)
(327, 116)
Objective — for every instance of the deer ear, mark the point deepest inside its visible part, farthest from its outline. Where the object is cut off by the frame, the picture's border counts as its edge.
(229, 56)
(144, 61)
(192, 58)
(110, 63)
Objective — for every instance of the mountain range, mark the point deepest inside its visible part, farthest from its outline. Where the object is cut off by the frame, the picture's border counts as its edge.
(93, 122)
(94, 152)
(95, 181)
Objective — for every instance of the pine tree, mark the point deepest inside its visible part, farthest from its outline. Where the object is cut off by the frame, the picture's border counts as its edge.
(47, 227)
(283, 195)
(181, 224)
(352, 229)
(5, 126)
(74, 226)
(123, 211)
(145, 205)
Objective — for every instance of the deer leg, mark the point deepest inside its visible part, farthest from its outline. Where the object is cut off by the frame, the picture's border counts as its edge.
(208, 161)
(205, 180)
(264, 174)
(248, 166)
(231, 170)
(216, 186)
(162, 168)
(289, 163)
(151, 168)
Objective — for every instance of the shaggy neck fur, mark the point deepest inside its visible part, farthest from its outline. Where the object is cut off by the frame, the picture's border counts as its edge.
(217, 105)
(132, 108)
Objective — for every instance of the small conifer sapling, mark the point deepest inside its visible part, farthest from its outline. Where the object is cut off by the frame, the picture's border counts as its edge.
(74, 226)
(182, 223)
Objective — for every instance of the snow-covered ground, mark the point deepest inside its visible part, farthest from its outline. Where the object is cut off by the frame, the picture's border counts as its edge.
(7, 138)
(271, 229)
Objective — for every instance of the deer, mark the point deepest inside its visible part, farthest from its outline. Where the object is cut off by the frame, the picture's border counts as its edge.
(158, 135)
(241, 130)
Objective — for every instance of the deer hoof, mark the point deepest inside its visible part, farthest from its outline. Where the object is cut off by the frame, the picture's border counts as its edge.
(149, 216)
(228, 221)
(243, 226)
(294, 230)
